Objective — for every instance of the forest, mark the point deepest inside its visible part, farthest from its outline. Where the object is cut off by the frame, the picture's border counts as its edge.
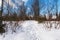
(29, 19)
(35, 12)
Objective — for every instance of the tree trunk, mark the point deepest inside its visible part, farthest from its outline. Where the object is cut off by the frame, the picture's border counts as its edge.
(1, 25)
(1, 14)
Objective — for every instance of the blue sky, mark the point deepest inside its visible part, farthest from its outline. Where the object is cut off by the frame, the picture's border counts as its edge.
(28, 3)
(44, 2)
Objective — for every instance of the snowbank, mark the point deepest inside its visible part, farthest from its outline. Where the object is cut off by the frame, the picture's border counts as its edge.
(29, 30)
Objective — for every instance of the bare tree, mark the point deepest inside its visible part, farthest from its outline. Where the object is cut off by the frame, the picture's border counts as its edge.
(8, 7)
(36, 8)
(50, 7)
(22, 11)
(1, 13)
(56, 5)
(1, 25)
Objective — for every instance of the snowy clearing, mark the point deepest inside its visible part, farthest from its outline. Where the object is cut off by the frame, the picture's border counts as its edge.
(31, 30)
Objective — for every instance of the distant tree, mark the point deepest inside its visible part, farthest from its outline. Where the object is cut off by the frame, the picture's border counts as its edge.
(56, 5)
(0, 18)
(36, 8)
(50, 16)
(44, 17)
(59, 16)
(30, 14)
(2, 7)
(22, 11)
(8, 7)
(1, 25)
(1, 12)
(50, 7)
(6, 15)
(14, 16)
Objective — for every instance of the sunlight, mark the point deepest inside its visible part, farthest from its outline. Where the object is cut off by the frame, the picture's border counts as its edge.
(25, 0)
(0, 2)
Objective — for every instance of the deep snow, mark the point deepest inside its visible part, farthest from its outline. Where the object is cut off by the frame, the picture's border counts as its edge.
(31, 30)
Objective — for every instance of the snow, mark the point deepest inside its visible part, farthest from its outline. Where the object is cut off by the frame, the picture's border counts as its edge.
(54, 17)
(30, 30)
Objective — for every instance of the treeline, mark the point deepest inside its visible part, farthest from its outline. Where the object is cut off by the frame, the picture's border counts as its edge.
(36, 8)
(15, 17)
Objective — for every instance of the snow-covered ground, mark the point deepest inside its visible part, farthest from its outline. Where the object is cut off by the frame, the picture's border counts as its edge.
(31, 30)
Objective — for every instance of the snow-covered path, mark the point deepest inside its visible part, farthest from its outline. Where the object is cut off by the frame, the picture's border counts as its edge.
(29, 30)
